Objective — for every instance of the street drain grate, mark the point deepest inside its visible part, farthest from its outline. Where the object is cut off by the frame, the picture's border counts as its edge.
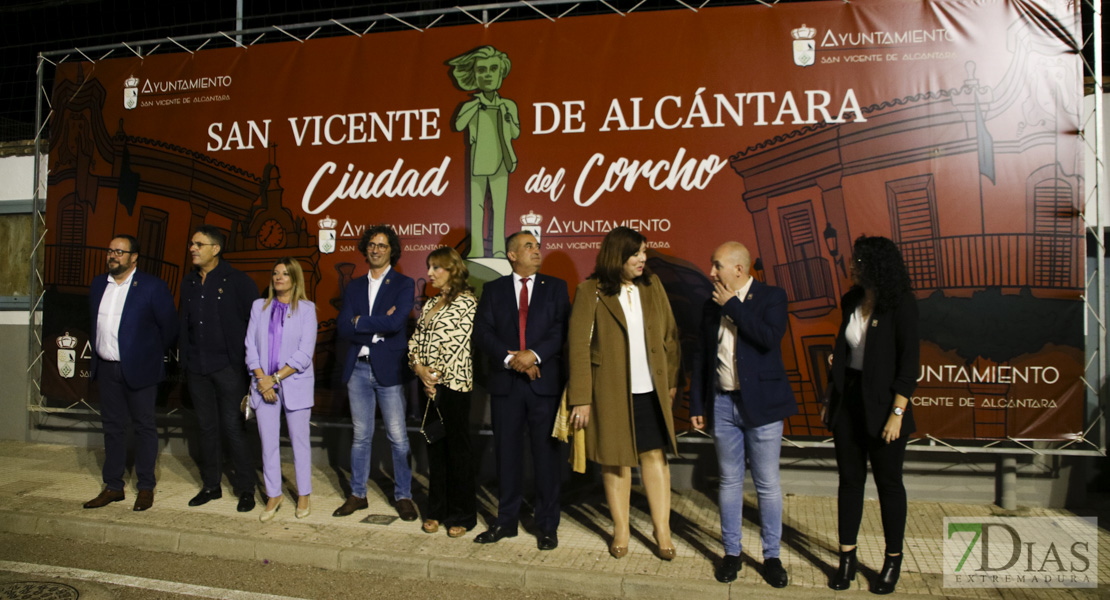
(37, 590)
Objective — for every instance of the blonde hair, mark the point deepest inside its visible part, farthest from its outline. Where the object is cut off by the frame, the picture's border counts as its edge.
(296, 273)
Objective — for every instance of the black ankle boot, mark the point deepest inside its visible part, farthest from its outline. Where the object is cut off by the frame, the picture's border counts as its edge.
(846, 572)
(892, 568)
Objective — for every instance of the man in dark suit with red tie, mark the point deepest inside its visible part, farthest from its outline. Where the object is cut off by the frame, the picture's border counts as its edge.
(521, 325)
(133, 324)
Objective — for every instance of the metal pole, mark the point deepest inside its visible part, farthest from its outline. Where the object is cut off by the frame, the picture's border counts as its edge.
(239, 20)
(1100, 174)
(1007, 483)
(34, 334)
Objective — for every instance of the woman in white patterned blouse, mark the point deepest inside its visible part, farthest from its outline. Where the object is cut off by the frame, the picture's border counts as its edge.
(439, 354)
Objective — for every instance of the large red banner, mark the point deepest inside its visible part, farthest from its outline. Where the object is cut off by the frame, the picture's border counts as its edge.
(949, 127)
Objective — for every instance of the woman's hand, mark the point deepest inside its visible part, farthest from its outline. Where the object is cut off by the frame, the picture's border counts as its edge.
(428, 376)
(892, 429)
(270, 396)
(579, 417)
(264, 384)
(698, 422)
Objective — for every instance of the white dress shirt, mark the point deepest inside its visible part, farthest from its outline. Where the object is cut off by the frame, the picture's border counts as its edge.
(727, 378)
(517, 282)
(372, 293)
(108, 317)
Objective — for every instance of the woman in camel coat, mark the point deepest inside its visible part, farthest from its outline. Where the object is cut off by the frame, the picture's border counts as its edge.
(621, 391)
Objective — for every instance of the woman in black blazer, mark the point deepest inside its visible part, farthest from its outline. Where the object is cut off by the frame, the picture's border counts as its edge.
(874, 372)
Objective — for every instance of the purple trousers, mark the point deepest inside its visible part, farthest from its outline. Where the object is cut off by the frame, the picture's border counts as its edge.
(269, 431)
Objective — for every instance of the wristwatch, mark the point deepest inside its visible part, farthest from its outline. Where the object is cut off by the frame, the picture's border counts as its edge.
(898, 411)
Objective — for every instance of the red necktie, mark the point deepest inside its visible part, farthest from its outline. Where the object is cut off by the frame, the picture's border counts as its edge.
(523, 310)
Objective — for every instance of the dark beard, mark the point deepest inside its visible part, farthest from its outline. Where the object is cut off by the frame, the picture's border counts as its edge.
(119, 269)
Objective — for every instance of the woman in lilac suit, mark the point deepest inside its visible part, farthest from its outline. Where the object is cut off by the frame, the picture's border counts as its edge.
(281, 338)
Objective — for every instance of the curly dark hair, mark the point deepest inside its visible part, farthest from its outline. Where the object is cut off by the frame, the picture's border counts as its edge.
(878, 264)
(387, 231)
(618, 245)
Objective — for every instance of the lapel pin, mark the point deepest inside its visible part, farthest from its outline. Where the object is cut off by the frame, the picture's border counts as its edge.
(220, 290)
(134, 283)
(387, 280)
(874, 322)
(749, 296)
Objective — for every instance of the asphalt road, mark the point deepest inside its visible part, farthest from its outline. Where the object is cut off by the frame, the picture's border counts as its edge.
(44, 567)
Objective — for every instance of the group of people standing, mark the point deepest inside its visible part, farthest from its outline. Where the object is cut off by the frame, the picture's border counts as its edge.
(614, 357)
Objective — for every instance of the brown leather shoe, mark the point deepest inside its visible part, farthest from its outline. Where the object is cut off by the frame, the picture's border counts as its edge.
(144, 500)
(106, 497)
(407, 509)
(352, 504)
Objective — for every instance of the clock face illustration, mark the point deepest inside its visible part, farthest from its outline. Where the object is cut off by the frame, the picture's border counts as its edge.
(271, 234)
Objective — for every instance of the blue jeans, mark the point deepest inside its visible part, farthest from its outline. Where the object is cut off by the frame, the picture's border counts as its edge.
(365, 394)
(735, 441)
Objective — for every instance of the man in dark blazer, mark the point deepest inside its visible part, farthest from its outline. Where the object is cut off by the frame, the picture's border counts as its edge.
(373, 320)
(133, 324)
(521, 326)
(215, 306)
(739, 383)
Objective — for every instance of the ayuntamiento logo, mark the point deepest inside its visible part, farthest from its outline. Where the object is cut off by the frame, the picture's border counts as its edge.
(1021, 552)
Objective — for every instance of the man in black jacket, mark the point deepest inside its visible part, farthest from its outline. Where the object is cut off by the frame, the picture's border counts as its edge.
(215, 307)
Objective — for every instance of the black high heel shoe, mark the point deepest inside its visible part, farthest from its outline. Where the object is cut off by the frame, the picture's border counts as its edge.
(846, 572)
(888, 578)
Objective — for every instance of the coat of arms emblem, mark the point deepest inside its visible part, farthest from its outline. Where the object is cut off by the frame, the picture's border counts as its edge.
(67, 356)
(327, 234)
(131, 93)
(805, 48)
(531, 223)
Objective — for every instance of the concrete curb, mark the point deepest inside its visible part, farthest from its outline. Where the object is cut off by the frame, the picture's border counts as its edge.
(583, 578)
(474, 571)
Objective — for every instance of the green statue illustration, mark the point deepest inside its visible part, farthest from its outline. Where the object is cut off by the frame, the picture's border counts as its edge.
(491, 123)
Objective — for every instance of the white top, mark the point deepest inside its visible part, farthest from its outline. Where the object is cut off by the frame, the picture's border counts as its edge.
(727, 379)
(372, 293)
(640, 370)
(856, 336)
(108, 317)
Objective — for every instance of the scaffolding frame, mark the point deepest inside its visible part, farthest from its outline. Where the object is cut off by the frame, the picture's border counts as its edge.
(1091, 442)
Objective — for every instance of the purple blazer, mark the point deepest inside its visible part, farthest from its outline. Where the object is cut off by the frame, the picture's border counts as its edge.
(298, 343)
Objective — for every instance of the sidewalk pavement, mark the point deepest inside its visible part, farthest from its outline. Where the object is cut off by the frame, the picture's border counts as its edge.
(42, 488)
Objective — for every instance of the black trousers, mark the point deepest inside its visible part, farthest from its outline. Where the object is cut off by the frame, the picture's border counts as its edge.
(854, 448)
(216, 397)
(511, 415)
(452, 496)
(119, 406)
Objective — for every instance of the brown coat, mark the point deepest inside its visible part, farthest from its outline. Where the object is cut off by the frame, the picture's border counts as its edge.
(599, 369)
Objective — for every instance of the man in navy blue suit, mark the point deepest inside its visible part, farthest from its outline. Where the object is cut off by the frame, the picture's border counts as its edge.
(521, 325)
(373, 319)
(739, 383)
(133, 324)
